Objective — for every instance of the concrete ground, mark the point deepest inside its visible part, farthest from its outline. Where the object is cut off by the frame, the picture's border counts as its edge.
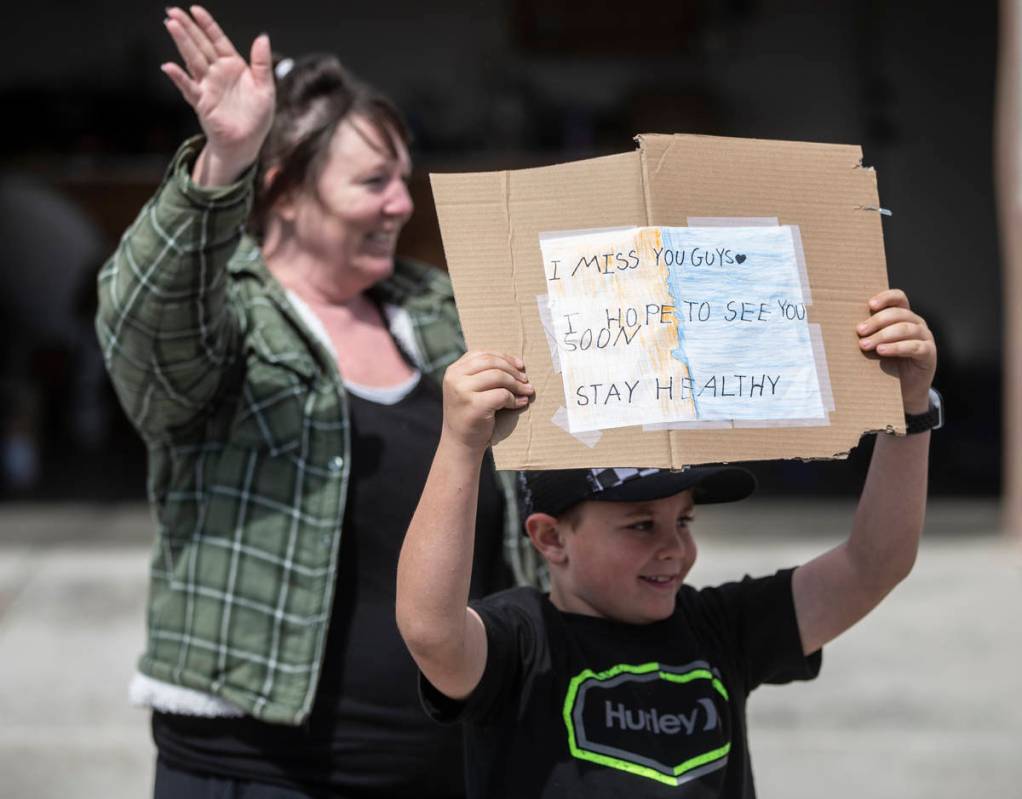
(923, 699)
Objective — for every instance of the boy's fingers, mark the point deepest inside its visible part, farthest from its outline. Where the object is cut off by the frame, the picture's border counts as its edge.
(903, 331)
(491, 359)
(501, 399)
(887, 299)
(899, 330)
(476, 362)
(496, 378)
(484, 404)
(888, 316)
(910, 348)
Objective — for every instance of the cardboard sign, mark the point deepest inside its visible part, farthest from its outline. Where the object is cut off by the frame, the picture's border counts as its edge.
(692, 302)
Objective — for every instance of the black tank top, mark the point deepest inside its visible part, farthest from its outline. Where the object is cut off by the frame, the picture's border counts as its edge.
(367, 734)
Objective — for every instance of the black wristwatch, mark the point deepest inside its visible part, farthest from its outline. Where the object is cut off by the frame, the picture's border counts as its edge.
(933, 419)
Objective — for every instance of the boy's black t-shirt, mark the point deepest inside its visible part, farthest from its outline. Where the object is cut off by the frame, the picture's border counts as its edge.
(576, 706)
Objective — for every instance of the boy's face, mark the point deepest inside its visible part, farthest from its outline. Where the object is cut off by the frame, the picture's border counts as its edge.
(625, 560)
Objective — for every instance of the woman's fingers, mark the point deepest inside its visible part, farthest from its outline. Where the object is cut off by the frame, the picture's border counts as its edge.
(188, 88)
(195, 61)
(197, 36)
(261, 60)
(222, 46)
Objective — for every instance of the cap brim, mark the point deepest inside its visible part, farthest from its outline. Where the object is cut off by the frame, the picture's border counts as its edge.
(708, 483)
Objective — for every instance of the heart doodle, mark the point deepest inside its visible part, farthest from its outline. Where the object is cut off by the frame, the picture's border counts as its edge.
(740, 259)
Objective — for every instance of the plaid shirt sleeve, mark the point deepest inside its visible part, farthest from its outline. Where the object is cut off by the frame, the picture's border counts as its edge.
(165, 328)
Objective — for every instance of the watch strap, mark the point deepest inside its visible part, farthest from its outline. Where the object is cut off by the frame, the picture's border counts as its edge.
(932, 419)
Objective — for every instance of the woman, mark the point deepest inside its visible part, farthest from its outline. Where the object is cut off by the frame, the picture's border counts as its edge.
(285, 382)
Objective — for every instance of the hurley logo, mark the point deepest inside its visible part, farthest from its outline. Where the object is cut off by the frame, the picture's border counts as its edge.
(662, 723)
(666, 723)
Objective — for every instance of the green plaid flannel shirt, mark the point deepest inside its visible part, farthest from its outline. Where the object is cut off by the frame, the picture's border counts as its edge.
(245, 418)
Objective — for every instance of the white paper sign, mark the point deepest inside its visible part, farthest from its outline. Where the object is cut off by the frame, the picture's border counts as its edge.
(681, 324)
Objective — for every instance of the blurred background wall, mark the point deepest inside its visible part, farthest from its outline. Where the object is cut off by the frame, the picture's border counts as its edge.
(91, 123)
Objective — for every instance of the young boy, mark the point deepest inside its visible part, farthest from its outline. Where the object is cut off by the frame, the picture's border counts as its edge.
(623, 681)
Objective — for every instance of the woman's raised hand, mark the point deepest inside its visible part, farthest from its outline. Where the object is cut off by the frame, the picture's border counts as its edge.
(233, 100)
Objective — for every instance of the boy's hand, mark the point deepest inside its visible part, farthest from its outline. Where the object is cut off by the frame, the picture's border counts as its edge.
(476, 386)
(894, 331)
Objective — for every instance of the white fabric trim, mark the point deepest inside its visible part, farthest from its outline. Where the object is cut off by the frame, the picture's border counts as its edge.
(385, 395)
(145, 691)
(399, 322)
(312, 322)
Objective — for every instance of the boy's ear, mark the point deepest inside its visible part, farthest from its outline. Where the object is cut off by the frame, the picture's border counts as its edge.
(547, 537)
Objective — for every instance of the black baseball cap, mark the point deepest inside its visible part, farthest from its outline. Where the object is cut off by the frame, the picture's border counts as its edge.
(555, 491)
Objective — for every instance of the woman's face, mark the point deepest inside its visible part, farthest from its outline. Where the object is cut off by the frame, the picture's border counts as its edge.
(361, 203)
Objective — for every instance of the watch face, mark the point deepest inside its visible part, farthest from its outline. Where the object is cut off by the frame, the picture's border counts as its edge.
(937, 403)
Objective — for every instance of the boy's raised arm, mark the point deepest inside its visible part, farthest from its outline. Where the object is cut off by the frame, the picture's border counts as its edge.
(838, 588)
(445, 637)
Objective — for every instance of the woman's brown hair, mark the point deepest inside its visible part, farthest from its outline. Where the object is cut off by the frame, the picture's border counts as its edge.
(313, 97)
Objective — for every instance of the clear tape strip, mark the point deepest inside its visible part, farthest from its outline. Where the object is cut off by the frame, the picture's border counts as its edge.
(800, 259)
(545, 319)
(732, 221)
(822, 372)
(590, 437)
(695, 424)
(822, 421)
(560, 234)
